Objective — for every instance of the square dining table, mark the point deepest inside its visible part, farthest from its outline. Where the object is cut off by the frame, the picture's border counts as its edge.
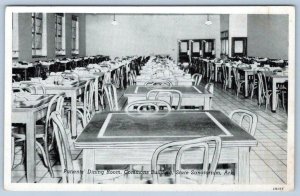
(29, 114)
(191, 95)
(114, 138)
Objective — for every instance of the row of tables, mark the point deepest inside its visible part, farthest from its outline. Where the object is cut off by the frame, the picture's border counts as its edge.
(35, 111)
(212, 67)
(105, 142)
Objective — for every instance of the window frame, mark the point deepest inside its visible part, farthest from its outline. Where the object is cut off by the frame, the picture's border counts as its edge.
(75, 35)
(39, 51)
(60, 51)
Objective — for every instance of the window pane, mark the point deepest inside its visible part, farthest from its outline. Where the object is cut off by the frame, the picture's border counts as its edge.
(208, 46)
(183, 47)
(196, 47)
(32, 42)
(238, 46)
(38, 41)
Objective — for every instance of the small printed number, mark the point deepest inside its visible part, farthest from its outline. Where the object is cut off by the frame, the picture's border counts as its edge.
(278, 189)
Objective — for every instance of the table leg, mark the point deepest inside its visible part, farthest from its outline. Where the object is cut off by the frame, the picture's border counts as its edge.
(96, 94)
(73, 115)
(229, 78)
(274, 98)
(216, 72)
(246, 83)
(88, 165)
(30, 148)
(243, 167)
(259, 92)
(207, 101)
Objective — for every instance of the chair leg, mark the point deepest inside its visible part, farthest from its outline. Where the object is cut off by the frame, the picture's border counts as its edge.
(45, 154)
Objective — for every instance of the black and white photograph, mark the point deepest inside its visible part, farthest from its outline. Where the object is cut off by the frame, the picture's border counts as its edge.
(149, 98)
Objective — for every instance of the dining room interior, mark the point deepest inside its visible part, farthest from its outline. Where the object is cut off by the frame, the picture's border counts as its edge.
(120, 98)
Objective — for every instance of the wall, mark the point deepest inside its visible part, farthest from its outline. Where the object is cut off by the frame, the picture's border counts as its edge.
(237, 27)
(146, 34)
(268, 36)
(224, 22)
(25, 53)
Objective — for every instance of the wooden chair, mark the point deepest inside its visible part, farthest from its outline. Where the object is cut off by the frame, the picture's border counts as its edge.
(210, 87)
(238, 81)
(85, 108)
(242, 115)
(160, 94)
(205, 143)
(197, 79)
(225, 77)
(111, 96)
(64, 150)
(143, 106)
(42, 131)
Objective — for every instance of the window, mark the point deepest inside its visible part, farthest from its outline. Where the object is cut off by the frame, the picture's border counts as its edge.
(39, 43)
(15, 35)
(224, 43)
(60, 45)
(75, 35)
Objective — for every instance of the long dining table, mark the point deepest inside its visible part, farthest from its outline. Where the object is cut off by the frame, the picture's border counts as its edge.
(29, 114)
(191, 95)
(105, 142)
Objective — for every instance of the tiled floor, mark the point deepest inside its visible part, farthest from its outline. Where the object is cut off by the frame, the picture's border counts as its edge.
(268, 161)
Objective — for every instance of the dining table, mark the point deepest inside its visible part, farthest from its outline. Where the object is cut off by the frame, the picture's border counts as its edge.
(196, 96)
(23, 67)
(105, 142)
(275, 78)
(28, 112)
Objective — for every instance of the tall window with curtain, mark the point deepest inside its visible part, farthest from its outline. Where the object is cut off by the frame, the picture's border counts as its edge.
(38, 34)
(60, 34)
(75, 35)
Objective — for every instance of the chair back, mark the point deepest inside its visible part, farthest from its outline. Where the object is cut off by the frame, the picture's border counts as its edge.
(197, 78)
(88, 101)
(243, 114)
(160, 94)
(205, 143)
(63, 147)
(210, 87)
(143, 106)
(111, 95)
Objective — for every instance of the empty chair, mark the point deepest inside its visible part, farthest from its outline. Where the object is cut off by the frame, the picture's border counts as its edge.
(224, 76)
(64, 151)
(166, 94)
(197, 78)
(238, 81)
(111, 96)
(42, 131)
(204, 144)
(147, 106)
(210, 87)
(242, 116)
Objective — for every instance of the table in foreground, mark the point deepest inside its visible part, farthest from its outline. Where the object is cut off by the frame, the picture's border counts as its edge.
(191, 95)
(28, 115)
(119, 138)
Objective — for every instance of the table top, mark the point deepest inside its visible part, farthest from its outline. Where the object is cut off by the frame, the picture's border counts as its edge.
(32, 105)
(123, 129)
(187, 91)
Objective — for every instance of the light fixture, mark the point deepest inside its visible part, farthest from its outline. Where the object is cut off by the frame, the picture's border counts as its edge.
(114, 22)
(208, 22)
